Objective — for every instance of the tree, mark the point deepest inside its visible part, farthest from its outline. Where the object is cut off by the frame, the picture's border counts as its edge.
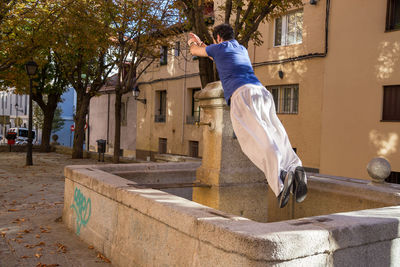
(74, 34)
(51, 85)
(245, 16)
(38, 119)
(24, 33)
(138, 29)
(6, 33)
(82, 49)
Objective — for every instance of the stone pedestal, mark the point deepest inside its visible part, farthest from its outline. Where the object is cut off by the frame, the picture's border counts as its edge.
(237, 185)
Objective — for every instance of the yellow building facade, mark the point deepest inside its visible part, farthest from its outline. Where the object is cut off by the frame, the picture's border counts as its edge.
(327, 64)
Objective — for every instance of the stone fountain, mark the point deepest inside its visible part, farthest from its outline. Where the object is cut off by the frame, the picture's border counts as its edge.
(137, 214)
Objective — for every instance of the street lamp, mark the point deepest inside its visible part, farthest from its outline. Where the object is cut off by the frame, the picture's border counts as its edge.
(31, 69)
(136, 93)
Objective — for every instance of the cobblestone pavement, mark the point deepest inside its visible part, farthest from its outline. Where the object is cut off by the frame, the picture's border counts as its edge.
(31, 203)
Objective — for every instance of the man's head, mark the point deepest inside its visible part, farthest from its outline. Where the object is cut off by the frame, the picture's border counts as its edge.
(224, 31)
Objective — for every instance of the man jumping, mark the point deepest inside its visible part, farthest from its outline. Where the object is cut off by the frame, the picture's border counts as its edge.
(260, 133)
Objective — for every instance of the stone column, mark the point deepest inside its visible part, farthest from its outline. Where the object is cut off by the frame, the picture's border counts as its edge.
(237, 185)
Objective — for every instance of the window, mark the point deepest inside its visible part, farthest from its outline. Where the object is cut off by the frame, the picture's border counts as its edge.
(394, 178)
(162, 145)
(164, 55)
(161, 106)
(194, 110)
(393, 15)
(286, 98)
(194, 149)
(177, 49)
(289, 29)
(391, 103)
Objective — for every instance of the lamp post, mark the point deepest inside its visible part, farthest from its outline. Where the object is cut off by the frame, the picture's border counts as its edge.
(31, 68)
(136, 93)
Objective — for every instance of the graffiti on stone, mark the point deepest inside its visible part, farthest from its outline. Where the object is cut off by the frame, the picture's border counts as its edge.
(83, 209)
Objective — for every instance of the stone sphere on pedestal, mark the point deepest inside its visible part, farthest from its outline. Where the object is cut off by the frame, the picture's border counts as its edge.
(379, 169)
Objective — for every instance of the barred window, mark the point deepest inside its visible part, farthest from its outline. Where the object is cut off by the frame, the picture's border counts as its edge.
(394, 178)
(286, 98)
(161, 106)
(194, 149)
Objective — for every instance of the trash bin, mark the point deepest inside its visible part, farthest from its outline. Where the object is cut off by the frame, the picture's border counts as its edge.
(11, 136)
(101, 147)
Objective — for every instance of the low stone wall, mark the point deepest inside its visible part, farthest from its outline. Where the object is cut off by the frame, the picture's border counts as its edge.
(92, 155)
(147, 227)
(18, 148)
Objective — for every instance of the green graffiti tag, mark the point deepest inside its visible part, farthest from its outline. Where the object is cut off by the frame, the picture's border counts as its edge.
(83, 209)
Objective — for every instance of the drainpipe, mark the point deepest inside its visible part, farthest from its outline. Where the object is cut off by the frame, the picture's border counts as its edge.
(184, 96)
(307, 56)
(108, 116)
(88, 129)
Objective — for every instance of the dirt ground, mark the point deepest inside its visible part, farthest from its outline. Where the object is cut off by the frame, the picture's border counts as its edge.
(31, 203)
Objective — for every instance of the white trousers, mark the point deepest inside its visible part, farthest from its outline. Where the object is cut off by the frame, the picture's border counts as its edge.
(260, 133)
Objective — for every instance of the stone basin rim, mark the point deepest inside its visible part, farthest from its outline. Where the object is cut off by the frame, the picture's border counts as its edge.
(285, 237)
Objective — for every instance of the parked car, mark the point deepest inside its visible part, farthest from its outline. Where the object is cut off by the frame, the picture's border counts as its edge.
(22, 135)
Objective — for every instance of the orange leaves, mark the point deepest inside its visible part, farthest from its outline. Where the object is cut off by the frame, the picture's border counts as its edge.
(46, 265)
(36, 245)
(18, 220)
(61, 248)
(44, 230)
(12, 210)
(102, 257)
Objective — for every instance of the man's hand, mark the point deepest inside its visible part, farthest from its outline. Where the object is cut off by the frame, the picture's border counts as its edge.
(195, 39)
(199, 49)
(194, 36)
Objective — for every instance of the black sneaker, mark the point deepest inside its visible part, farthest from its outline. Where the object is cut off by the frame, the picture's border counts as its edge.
(300, 184)
(283, 197)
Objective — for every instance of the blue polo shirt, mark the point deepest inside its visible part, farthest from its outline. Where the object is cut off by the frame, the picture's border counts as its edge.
(233, 65)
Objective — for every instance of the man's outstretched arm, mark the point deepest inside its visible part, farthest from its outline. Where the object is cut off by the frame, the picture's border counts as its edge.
(197, 47)
(199, 51)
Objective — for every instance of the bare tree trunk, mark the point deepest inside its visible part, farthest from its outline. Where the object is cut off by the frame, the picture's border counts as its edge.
(80, 121)
(48, 113)
(117, 135)
(207, 71)
(46, 130)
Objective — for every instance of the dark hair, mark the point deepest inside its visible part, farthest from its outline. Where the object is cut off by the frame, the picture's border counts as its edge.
(225, 31)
